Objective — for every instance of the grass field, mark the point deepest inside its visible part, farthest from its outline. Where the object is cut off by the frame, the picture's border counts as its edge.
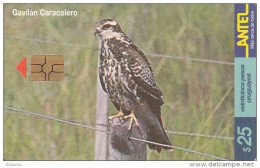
(198, 96)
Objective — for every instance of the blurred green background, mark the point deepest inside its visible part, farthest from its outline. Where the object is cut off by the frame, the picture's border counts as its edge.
(198, 96)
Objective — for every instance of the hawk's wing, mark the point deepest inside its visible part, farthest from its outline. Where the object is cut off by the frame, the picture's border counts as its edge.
(143, 76)
(142, 73)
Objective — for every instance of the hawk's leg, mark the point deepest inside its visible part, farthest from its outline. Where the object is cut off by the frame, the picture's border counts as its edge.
(132, 118)
(120, 114)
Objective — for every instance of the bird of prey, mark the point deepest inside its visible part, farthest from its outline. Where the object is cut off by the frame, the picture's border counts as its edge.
(126, 76)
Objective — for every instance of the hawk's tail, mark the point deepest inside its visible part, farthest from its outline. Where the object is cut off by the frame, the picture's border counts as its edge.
(157, 134)
(151, 111)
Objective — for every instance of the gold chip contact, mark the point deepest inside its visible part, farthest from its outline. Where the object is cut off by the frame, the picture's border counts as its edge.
(47, 68)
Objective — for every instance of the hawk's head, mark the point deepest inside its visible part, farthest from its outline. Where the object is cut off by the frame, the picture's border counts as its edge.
(108, 28)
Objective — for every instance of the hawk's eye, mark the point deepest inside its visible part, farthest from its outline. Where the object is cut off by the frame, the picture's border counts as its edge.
(106, 26)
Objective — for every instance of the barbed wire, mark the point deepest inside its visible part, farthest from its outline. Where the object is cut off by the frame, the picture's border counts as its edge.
(105, 131)
(149, 54)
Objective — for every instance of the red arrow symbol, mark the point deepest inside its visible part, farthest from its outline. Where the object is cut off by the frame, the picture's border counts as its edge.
(21, 67)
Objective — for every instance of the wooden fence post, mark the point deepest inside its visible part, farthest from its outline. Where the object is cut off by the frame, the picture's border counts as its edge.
(101, 123)
(121, 148)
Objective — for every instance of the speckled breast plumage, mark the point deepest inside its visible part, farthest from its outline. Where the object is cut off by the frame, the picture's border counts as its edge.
(116, 77)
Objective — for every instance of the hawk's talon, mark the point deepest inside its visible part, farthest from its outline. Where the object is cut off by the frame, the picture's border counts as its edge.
(120, 114)
(132, 118)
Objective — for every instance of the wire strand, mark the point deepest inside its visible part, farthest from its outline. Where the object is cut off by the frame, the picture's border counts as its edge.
(50, 42)
(192, 59)
(176, 147)
(167, 131)
(149, 54)
(199, 135)
(53, 118)
(93, 128)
